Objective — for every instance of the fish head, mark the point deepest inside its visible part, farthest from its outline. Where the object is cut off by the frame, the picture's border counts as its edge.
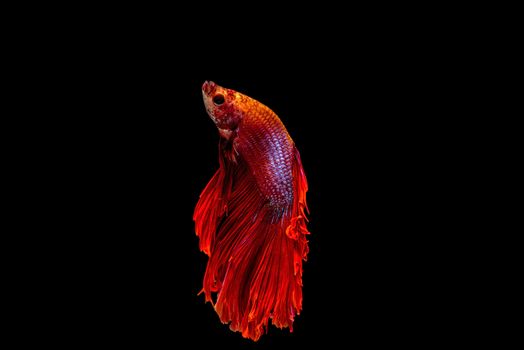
(224, 106)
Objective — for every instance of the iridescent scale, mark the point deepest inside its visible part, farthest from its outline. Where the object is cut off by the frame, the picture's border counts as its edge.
(264, 142)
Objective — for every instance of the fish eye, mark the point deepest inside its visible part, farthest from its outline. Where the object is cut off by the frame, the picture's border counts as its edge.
(218, 99)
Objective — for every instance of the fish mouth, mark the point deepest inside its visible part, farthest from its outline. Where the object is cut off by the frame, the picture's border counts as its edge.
(208, 87)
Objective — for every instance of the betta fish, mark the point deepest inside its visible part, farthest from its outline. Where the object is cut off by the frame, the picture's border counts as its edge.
(251, 217)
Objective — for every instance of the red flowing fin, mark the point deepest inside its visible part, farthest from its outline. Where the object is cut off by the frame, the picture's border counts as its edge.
(297, 229)
(212, 204)
(255, 262)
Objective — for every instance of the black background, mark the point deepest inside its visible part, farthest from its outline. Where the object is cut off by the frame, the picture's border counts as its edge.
(144, 148)
(153, 157)
(120, 147)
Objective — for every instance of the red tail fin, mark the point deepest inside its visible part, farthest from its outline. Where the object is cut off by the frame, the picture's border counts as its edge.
(255, 262)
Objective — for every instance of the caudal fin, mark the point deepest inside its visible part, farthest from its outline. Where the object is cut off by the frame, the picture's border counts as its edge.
(255, 261)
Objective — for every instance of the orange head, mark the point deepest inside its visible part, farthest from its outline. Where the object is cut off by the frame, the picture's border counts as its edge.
(224, 106)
